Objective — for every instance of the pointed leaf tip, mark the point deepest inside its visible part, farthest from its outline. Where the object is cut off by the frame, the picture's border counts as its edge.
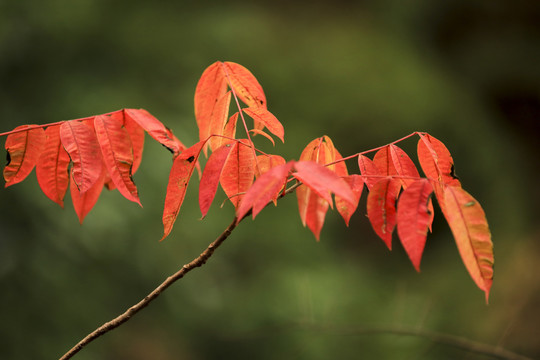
(381, 208)
(469, 226)
(24, 149)
(414, 219)
(117, 152)
(211, 175)
(82, 145)
(181, 171)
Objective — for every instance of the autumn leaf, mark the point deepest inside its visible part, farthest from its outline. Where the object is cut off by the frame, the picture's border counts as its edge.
(267, 162)
(436, 161)
(244, 84)
(154, 128)
(265, 189)
(84, 202)
(117, 153)
(52, 168)
(238, 173)
(381, 208)
(211, 87)
(264, 117)
(179, 177)
(469, 226)
(345, 209)
(136, 135)
(370, 172)
(218, 120)
(261, 132)
(24, 149)
(81, 143)
(414, 218)
(211, 175)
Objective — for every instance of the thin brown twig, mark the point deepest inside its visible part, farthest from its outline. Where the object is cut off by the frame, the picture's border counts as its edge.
(119, 320)
(195, 263)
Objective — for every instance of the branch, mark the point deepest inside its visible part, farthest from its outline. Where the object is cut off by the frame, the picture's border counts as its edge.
(195, 263)
(441, 338)
(119, 320)
(458, 342)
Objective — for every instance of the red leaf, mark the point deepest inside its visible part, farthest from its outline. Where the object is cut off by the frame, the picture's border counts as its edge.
(154, 128)
(414, 218)
(311, 207)
(237, 175)
(52, 168)
(211, 175)
(211, 86)
(179, 177)
(471, 232)
(323, 181)
(267, 162)
(265, 189)
(230, 127)
(136, 134)
(244, 84)
(346, 210)
(262, 116)
(81, 143)
(381, 208)
(260, 132)
(436, 161)
(369, 171)
(84, 202)
(383, 161)
(403, 166)
(24, 149)
(117, 154)
(218, 119)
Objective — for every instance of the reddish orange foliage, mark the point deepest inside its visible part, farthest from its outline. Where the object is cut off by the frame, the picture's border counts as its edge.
(106, 150)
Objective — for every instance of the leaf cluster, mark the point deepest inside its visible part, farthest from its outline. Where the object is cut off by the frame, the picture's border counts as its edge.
(104, 151)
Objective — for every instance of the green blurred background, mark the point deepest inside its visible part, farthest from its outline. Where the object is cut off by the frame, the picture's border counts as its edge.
(364, 73)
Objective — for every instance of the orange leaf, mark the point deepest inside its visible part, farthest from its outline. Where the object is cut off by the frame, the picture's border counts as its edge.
(369, 171)
(211, 175)
(264, 117)
(436, 161)
(155, 129)
(237, 175)
(244, 84)
(52, 168)
(437, 164)
(260, 132)
(414, 218)
(117, 154)
(311, 207)
(346, 210)
(471, 232)
(218, 119)
(323, 181)
(84, 202)
(81, 143)
(267, 162)
(211, 87)
(136, 134)
(265, 189)
(179, 177)
(24, 149)
(381, 208)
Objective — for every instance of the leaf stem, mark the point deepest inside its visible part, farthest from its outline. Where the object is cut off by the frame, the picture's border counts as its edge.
(241, 113)
(31, 127)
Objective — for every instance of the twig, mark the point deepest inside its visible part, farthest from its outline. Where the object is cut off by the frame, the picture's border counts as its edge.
(459, 342)
(119, 320)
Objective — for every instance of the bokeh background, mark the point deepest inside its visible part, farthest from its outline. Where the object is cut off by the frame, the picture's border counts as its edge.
(364, 73)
